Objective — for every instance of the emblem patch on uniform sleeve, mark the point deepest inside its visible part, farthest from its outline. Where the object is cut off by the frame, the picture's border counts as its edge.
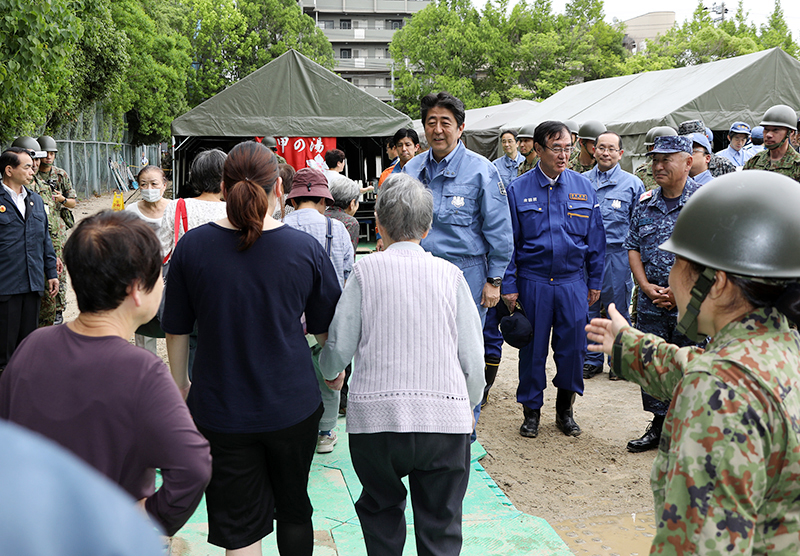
(458, 202)
(646, 195)
(578, 197)
(501, 187)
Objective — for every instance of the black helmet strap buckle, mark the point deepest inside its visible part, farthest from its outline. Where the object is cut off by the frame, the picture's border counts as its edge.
(688, 323)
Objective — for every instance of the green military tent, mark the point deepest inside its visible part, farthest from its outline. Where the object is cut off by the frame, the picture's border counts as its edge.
(719, 93)
(291, 96)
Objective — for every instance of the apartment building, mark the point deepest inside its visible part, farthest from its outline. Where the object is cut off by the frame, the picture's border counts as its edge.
(360, 32)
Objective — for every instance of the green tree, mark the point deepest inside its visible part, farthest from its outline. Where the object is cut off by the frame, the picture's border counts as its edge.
(37, 38)
(776, 33)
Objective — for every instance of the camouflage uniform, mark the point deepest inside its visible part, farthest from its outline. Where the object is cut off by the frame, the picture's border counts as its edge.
(719, 165)
(725, 477)
(651, 225)
(574, 163)
(525, 166)
(47, 311)
(789, 165)
(63, 185)
(645, 173)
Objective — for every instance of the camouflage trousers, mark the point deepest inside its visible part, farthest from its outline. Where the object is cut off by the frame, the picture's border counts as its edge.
(51, 305)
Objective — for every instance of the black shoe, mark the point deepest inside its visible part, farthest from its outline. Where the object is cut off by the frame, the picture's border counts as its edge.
(59, 318)
(613, 376)
(650, 439)
(590, 370)
(490, 373)
(530, 427)
(564, 420)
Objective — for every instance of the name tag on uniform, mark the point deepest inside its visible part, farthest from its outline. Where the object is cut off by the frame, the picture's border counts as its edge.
(616, 204)
(578, 197)
(529, 200)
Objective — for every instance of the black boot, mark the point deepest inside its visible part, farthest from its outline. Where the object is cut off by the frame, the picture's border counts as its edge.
(530, 427)
(590, 370)
(564, 420)
(651, 437)
(492, 364)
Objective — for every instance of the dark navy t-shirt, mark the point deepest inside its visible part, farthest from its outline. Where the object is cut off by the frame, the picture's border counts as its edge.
(253, 370)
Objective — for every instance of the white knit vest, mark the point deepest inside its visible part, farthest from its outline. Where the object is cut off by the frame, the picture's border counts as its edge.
(407, 376)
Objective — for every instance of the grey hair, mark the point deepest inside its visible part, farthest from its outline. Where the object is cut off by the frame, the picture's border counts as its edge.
(344, 191)
(404, 208)
(205, 174)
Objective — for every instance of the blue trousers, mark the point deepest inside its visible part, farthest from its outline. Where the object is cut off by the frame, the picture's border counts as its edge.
(492, 339)
(617, 288)
(562, 308)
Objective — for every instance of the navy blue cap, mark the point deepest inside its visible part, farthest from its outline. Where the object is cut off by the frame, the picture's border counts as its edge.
(671, 144)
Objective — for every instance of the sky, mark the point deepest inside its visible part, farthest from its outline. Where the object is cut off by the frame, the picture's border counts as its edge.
(759, 10)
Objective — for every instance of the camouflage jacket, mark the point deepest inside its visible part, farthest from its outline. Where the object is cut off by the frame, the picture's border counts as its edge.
(789, 165)
(575, 164)
(525, 166)
(645, 173)
(61, 180)
(725, 480)
(719, 165)
(58, 230)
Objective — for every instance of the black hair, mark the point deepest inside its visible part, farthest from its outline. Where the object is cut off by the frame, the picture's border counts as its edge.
(10, 157)
(509, 131)
(445, 100)
(402, 133)
(390, 143)
(106, 254)
(333, 157)
(297, 201)
(206, 172)
(615, 134)
(757, 140)
(548, 130)
(783, 296)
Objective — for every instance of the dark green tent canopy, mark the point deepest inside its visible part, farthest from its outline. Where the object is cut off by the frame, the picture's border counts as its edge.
(295, 97)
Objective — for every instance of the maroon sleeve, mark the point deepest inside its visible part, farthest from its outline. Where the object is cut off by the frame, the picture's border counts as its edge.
(171, 442)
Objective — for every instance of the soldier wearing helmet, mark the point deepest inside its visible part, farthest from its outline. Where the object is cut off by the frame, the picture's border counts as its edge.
(738, 135)
(270, 142)
(525, 141)
(718, 165)
(725, 477)
(63, 194)
(779, 122)
(645, 170)
(573, 129)
(583, 160)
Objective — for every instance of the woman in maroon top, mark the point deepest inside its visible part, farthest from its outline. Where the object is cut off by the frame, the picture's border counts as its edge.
(85, 386)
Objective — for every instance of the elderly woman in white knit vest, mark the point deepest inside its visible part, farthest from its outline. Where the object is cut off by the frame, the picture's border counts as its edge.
(409, 319)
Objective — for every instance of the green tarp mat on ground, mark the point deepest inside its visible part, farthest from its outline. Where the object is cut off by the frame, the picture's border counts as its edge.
(295, 97)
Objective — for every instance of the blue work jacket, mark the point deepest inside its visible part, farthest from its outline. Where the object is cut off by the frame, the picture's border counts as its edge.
(470, 208)
(507, 167)
(617, 192)
(558, 230)
(26, 251)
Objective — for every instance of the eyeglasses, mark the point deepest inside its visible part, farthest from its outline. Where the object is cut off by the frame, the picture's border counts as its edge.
(559, 151)
(701, 151)
(611, 150)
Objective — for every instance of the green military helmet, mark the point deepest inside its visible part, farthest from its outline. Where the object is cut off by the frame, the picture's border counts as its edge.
(780, 115)
(269, 142)
(572, 126)
(590, 130)
(526, 132)
(29, 144)
(658, 131)
(744, 223)
(48, 144)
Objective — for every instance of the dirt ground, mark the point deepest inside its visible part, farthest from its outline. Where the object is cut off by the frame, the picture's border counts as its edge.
(553, 476)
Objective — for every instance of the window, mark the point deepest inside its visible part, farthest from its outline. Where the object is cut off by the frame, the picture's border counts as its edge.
(345, 24)
(360, 53)
(345, 53)
(380, 82)
(360, 24)
(325, 24)
(379, 25)
(394, 24)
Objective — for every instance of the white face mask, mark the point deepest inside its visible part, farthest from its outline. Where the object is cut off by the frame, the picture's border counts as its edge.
(151, 195)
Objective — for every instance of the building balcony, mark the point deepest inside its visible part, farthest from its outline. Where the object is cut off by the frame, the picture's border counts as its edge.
(365, 6)
(383, 36)
(381, 93)
(371, 64)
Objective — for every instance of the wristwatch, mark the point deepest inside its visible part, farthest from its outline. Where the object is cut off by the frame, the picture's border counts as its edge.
(494, 281)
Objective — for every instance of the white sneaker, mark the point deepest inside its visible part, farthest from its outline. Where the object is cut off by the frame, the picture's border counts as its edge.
(326, 442)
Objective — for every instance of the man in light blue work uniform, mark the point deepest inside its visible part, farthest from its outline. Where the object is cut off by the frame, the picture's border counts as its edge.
(701, 156)
(558, 232)
(738, 135)
(617, 192)
(757, 142)
(508, 164)
(471, 224)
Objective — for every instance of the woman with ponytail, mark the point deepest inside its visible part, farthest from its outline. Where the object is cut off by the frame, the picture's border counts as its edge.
(725, 480)
(247, 280)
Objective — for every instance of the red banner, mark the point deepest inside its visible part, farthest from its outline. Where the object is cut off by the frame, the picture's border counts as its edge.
(305, 152)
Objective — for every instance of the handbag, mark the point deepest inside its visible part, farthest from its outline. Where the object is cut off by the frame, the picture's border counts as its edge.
(153, 327)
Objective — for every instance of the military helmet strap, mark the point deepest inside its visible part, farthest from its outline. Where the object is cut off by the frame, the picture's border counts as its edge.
(688, 323)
